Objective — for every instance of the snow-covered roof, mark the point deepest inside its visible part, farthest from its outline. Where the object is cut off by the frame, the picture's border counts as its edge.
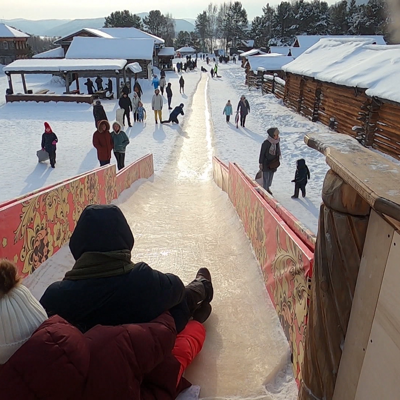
(166, 51)
(306, 41)
(130, 33)
(134, 67)
(58, 52)
(268, 62)
(186, 49)
(252, 53)
(114, 48)
(8, 32)
(296, 51)
(48, 65)
(354, 64)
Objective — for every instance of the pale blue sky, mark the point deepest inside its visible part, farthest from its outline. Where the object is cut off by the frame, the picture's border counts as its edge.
(74, 9)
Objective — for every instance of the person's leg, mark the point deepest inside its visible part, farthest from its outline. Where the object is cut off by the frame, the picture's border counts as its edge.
(52, 157)
(296, 191)
(123, 117)
(121, 160)
(128, 114)
(303, 190)
(160, 114)
(155, 115)
(175, 120)
(104, 162)
(188, 344)
(197, 292)
(244, 120)
(169, 103)
(134, 116)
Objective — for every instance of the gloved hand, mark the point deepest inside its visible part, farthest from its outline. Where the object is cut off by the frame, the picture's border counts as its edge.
(293, 180)
(42, 149)
(260, 166)
(53, 142)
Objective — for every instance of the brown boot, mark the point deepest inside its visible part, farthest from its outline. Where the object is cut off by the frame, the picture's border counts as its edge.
(203, 275)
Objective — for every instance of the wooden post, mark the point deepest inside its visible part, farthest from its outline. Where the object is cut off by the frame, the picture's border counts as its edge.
(24, 83)
(77, 82)
(10, 85)
(342, 229)
(66, 83)
(370, 124)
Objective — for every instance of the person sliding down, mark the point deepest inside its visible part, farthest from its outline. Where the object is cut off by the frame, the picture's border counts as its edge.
(173, 117)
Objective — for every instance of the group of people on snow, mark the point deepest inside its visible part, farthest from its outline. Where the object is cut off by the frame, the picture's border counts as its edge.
(111, 329)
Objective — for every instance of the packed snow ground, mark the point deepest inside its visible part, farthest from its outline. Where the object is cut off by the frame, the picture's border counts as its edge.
(22, 127)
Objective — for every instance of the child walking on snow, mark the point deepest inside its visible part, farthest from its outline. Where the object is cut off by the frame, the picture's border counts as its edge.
(141, 112)
(228, 110)
(301, 178)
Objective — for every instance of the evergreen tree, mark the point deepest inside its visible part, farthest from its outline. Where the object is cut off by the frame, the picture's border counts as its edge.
(182, 39)
(338, 18)
(202, 28)
(284, 24)
(235, 24)
(223, 31)
(123, 19)
(154, 22)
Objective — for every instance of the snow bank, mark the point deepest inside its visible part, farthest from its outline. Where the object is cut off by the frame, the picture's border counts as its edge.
(352, 63)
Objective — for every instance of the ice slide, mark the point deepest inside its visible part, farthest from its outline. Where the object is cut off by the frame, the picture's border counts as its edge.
(182, 221)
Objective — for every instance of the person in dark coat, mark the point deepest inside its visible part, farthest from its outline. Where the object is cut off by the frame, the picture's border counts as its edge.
(138, 89)
(120, 141)
(99, 83)
(126, 104)
(43, 358)
(103, 143)
(168, 91)
(99, 113)
(125, 89)
(173, 117)
(49, 141)
(110, 86)
(269, 157)
(244, 109)
(90, 86)
(301, 178)
(181, 85)
(105, 287)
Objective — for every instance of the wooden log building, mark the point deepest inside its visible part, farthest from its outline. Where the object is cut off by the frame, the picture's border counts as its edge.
(350, 87)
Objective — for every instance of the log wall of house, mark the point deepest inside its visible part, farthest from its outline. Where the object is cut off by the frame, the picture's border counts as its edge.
(270, 85)
(293, 92)
(341, 108)
(386, 136)
(374, 122)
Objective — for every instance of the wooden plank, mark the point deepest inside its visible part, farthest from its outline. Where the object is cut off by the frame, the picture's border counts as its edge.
(372, 267)
(381, 370)
(373, 176)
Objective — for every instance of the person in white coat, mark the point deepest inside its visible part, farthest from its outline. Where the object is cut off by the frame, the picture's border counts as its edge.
(135, 105)
(157, 105)
(163, 83)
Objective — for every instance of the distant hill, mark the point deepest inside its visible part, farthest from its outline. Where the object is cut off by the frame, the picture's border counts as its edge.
(62, 27)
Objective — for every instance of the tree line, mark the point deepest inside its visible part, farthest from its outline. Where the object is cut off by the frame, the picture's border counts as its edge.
(279, 25)
(225, 25)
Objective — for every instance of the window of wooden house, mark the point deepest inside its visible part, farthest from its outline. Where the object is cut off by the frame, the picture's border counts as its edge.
(5, 45)
(12, 45)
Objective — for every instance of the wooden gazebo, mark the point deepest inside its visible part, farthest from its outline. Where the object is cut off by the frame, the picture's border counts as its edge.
(69, 69)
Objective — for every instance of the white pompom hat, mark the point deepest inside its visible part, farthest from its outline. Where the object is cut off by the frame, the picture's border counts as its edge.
(20, 315)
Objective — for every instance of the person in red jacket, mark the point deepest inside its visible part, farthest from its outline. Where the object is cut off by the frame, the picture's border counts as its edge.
(103, 143)
(48, 358)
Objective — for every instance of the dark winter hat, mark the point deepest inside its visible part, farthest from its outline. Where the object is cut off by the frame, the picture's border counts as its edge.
(101, 228)
(181, 105)
(271, 131)
(47, 128)
(98, 102)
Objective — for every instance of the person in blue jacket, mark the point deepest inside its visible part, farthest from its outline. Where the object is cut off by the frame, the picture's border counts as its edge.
(155, 82)
(173, 117)
(49, 141)
(228, 110)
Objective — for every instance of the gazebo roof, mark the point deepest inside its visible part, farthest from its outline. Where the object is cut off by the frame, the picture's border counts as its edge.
(111, 48)
(61, 65)
(186, 49)
(167, 51)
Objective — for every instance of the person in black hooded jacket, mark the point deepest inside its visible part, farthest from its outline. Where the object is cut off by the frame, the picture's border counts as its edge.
(173, 117)
(106, 287)
(301, 178)
(98, 113)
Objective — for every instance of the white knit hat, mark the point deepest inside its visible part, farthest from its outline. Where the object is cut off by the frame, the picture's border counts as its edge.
(20, 315)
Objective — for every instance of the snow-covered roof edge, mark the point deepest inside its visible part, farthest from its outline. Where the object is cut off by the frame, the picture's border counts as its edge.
(8, 32)
(57, 52)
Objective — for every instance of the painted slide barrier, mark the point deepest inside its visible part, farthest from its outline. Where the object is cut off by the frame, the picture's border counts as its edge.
(35, 226)
(286, 261)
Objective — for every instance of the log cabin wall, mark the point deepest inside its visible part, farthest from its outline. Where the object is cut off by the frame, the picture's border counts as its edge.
(293, 92)
(271, 85)
(386, 137)
(310, 98)
(344, 105)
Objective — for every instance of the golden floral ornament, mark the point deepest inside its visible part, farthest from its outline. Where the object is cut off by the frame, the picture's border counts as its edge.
(92, 188)
(38, 246)
(4, 242)
(59, 233)
(63, 206)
